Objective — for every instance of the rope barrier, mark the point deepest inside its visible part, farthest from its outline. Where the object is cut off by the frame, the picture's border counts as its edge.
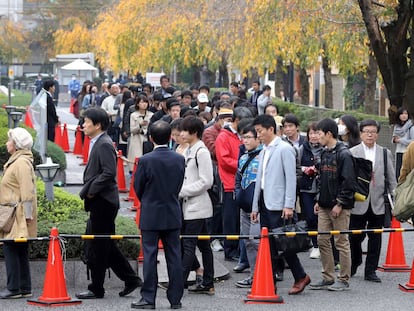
(215, 236)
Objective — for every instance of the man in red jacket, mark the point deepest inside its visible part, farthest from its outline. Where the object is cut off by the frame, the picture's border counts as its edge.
(227, 154)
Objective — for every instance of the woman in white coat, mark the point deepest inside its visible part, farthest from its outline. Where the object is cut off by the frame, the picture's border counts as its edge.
(139, 121)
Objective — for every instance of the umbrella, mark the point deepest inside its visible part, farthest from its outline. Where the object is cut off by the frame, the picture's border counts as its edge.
(79, 64)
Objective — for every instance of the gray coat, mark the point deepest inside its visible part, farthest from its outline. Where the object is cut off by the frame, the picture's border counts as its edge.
(376, 188)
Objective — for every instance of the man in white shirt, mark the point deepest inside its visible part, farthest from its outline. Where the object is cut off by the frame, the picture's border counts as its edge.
(370, 213)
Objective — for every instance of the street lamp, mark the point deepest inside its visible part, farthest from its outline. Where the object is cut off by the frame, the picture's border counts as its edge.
(16, 116)
(9, 109)
(48, 171)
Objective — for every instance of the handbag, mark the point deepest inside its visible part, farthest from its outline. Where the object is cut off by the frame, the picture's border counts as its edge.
(404, 199)
(7, 216)
(300, 242)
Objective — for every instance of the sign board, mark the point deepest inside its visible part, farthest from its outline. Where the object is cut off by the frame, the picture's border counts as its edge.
(11, 73)
(153, 78)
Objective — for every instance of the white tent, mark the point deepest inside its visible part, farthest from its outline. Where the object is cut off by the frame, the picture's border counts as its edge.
(79, 65)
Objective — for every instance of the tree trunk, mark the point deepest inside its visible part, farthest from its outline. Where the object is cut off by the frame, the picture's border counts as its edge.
(370, 86)
(279, 78)
(223, 74)
(328, 83)
(304, 86)
(409, 81)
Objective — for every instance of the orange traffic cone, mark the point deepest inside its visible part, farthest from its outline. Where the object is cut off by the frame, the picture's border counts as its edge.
(65, 139)
(77, 148)
(28, 119)
(54, 290)
(85, 154)
(131, 194)
(58, 135)
(409, 286)
(121, 174)
(263, 288)
(395, 259)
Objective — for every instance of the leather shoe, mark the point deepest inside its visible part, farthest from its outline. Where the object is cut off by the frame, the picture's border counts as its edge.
(7, 294)
(128, 289)
(372, 277)
(142, 304)
(354, 270)
(241, 267)
(300, 285)
(88, 295)
(278, 276)
(177, 306)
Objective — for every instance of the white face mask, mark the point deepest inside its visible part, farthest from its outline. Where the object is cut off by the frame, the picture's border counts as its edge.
(226, 123)
(73, 78)
(341, 129)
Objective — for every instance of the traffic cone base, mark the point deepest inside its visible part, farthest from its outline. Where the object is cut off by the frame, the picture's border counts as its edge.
(395, 259)
(263, 287)
(121, 174)
(77, 148)
(54, 289)
(409, 286)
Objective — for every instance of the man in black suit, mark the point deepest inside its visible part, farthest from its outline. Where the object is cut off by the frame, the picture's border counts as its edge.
(100, 193)
(158, 180)
(51, 116)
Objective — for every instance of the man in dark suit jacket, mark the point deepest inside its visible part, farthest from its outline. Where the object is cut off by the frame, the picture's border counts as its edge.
(158, 180)
(51, 116)
(100, 193)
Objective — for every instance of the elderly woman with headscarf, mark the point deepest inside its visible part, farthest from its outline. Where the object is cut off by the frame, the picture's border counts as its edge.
(18, 186)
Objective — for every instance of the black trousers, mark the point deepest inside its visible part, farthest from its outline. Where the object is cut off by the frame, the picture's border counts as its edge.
(104, 253)
(367, 221)
(51, 133)
(16, 256)
(172, 250)
(196, 227)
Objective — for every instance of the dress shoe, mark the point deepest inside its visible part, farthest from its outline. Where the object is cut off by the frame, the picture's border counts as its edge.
(7, 294)
(372, 277)
(128, 289)
(300, 285)
(241, 267)
(279, 276)
(88, 295)
(177, 306)
(142, 304)
(354, 270)
(231, 259)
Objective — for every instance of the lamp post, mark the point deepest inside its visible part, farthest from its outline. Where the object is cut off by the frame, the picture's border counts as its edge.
(9, 109)
(16, 116)
(48, 171)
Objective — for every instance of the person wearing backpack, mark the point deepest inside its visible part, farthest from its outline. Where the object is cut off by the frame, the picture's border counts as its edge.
(370, 213)
(196, 204)
(333, 206)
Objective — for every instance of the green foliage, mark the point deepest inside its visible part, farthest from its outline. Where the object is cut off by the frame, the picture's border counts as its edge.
(20, 98)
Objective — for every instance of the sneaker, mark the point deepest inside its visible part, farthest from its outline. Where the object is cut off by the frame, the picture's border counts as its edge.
(339, 286)
(323, 284)
(7, 294)
(338, 267)
(216, 246)
(201, 289)
(27, 294)
(245, 283)
(315, 253)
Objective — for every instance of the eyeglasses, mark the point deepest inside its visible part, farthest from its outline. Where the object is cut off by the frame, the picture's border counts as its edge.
(248, 137)
(372, 132)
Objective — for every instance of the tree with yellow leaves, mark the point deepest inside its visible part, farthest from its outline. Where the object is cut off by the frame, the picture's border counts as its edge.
(13, 41)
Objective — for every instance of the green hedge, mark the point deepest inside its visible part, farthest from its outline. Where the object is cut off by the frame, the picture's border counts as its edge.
(67, 214)
(53, 150)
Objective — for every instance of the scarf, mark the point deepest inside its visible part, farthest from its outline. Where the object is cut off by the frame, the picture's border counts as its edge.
(401, 130)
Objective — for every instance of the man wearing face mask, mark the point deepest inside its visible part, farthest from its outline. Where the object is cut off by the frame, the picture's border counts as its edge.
(227, 153)
(74, 87)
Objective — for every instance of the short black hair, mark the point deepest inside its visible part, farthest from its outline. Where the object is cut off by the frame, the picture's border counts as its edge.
(265, 121)
(267, 88)
(204, 87)
(257, 82)
(48, 84)
(246, 122)
(270, 105)
(176, 124)
(290, 118)
(97, 115)
(164, 77)
(186, 93)
(249, 128)
(171, 102)
(369, 122)
(328, 125)
(160, 131)
(193, 125)
(234, 84)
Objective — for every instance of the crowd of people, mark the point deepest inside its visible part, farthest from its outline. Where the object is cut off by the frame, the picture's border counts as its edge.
(222, 164)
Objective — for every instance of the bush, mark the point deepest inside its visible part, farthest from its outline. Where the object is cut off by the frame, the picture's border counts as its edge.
(67, 214)
(53, 150)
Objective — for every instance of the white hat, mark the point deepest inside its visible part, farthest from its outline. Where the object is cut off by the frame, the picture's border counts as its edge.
(21, 137)
(202, 98)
